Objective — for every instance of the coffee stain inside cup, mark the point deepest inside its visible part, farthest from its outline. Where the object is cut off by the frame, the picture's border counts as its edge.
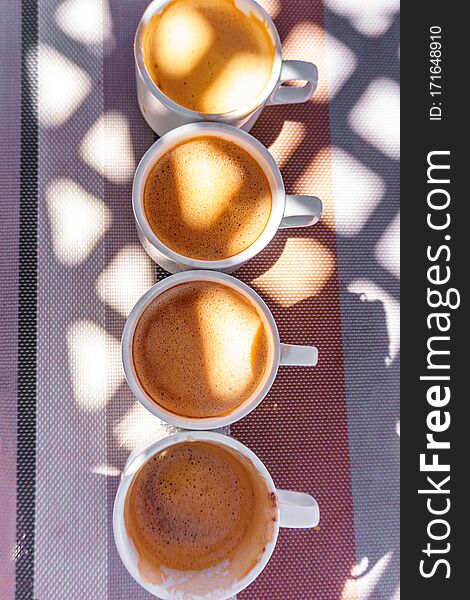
(200, 517)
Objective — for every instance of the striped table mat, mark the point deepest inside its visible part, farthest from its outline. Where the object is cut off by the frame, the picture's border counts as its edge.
(71, 269)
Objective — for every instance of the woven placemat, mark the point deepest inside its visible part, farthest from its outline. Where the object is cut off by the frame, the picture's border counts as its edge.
(72, 268)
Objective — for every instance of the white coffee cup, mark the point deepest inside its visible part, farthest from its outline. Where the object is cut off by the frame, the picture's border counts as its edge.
(286, 211)
(295, 510)
(163, 114)
(278, 354)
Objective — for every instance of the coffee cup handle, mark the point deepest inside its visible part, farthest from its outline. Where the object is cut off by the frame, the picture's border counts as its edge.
(301, 356)
(301, 211)
(297, 510)
(295, 70)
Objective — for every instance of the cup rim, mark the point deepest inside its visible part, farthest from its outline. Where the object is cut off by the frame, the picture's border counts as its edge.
(203, 423)
(187, 132)
(127, 477)
(240, 113)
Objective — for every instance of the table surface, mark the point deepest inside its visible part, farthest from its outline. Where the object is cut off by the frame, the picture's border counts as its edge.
(71, 269)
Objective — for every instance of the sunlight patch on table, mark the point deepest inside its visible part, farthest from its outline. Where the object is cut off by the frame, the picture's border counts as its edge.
(62, 87)
(376, 116)
(341, 63)
(86, 21)
(289, 139)
(106, 470)
(305, 41)
(301, 272)
(362, 587)
(272, 7)
(107, 147)
(94, 364)
(370, 292)
(357, 191)
(139, 428)
(361, 567)
(369, 18)
(78, 220)
(387, 251)
(335, 61)
(317, 179)
(129, 275)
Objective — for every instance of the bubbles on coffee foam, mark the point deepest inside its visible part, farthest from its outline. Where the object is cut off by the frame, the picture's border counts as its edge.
(200, 349)
(207, 198)
(193, 505)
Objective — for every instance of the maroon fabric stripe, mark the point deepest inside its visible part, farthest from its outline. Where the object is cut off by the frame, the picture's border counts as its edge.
(300, 430)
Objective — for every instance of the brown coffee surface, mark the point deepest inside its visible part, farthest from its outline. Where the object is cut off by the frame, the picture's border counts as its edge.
(195, 505)
(207, 55)
(207, 199)
(200, 349)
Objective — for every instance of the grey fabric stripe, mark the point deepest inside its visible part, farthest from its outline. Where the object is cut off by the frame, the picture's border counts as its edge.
(10, 132)
(372, 380)
(129, 426)
(71, 542)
